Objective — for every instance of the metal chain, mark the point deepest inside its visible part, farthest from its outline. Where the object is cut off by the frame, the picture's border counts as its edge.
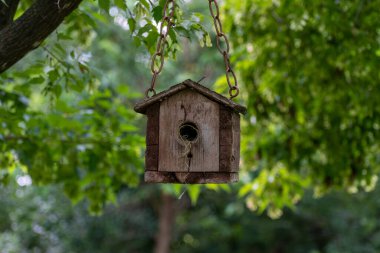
(225, 51)
(167, 22)
(157, 62)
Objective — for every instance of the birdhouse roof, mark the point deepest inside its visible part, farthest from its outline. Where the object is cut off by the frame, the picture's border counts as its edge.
(142, 106)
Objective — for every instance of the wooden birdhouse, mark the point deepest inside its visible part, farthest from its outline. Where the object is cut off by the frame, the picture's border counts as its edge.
(192, 136)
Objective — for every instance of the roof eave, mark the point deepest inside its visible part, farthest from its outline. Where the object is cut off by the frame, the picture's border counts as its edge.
(142, 106)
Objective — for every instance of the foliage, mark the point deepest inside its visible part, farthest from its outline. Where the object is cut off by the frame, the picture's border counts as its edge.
(87, 147)
(311, 76)
(41, 219)
(65, 122)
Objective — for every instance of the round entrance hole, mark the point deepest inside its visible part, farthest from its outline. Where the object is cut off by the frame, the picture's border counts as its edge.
(188, 131)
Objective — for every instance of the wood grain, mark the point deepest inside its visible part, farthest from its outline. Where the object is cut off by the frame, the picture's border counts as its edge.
(229, 139)
(153, 125)
(151, 157)
(189, 106)
(235, 159)
(191, 177)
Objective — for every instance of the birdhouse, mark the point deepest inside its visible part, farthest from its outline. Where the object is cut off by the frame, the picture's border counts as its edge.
(192, 136)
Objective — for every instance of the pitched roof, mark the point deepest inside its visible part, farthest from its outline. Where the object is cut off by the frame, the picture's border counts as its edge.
(141, 106)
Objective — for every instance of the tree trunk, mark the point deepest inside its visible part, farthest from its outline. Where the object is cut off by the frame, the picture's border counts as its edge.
(167, 215)
(28, 31)
(7, 12)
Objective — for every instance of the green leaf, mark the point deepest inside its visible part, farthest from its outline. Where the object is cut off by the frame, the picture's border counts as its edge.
(100, 17)
(132, 24)
(121, 4)
(63, 36)
(72, 54)
(57, 90)
(145, 3)
(245, 189)
(36, 80)
(88, 19)
(104, 4)
(194, 191)
(207, 39)
(146, 28)
(182, 31)
(173, 36)
(53, 75)
(157, 13)
(137, 41)
(151, 40)
(83, 68)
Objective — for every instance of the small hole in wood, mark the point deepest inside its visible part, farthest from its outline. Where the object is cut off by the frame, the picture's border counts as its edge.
(188, 131)
(189, 155)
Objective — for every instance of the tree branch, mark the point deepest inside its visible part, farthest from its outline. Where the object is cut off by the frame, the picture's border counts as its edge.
(7, 12)
(27, 32)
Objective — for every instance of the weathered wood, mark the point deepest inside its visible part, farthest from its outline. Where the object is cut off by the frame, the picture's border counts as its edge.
(229, 140)
(142, 106)
(225, 117)
(225, 124)
(193, 136)
(191, 177)
(176, 155)
(151, 157)
(152, 131)
(225, 139)
(153, 125)
(225, 158)
(235, 159)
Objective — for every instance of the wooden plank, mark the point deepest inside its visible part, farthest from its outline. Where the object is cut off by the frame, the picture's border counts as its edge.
(151, 157)
(216, 97)
(152, 126)
(225, 117)
(189, 106)
(190, 177)
(142, 106)
(229, 140)
(225, 158)
(225, 124)
(235, 159)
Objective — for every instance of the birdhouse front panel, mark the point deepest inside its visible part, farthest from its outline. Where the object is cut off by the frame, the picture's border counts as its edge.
(193, 136)
(188, 133)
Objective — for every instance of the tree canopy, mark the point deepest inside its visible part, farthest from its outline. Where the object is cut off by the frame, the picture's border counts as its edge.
(308, 73)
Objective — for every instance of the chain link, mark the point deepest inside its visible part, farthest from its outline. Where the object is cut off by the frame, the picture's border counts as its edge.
(221, 39)
(158, 58)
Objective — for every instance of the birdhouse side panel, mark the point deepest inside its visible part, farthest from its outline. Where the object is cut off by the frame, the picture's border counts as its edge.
(201, 152)
(235, 161)
(152, 137)
(229, 140)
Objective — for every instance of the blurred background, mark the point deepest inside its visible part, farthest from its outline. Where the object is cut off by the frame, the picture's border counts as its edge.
(42, 219)
(72, 148)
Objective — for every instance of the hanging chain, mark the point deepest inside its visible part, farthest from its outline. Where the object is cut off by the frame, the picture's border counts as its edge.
(157, 62)
(225, 51)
